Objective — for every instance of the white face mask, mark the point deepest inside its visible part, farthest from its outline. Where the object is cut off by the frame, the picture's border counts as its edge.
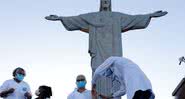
(37, 92)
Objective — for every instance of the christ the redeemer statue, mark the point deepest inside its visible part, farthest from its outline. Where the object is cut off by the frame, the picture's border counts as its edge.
(105, 28)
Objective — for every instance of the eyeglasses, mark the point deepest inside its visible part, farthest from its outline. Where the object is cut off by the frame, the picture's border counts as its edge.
(80, 80)
(21, 73)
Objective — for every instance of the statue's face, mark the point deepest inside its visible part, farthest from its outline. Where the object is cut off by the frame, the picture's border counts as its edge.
(105, 4)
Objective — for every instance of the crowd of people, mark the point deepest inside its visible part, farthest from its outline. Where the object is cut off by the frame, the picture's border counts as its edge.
(132, 79)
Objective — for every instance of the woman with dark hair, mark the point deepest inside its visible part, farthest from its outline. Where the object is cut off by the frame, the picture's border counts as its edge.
(44, 92)
(16, 88)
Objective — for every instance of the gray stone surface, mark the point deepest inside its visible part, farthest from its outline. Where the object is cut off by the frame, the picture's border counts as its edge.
(105, 28)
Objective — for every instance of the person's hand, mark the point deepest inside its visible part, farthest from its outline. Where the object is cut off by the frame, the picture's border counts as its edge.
(159, 14)
(28, 95)
(93, 92)
(4, 94)
(52, 17)
(105, 97)
(11, 90)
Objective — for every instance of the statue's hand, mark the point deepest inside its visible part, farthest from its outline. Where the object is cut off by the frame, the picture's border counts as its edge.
(159, 13)
(52, 18)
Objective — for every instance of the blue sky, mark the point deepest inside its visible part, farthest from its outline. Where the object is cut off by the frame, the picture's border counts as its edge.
(53, 56)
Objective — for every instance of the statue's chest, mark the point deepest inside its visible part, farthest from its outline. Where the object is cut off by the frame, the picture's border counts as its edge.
(110, 26)
(106, 20)
(107, 30)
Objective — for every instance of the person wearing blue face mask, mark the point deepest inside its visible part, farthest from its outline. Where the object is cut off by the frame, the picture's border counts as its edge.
(16, 88)
(80, 92)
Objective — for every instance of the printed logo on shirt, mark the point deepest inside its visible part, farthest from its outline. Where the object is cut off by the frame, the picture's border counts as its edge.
(24, 89)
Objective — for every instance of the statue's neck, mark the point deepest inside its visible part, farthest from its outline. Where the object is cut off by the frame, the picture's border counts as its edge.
(106, 10)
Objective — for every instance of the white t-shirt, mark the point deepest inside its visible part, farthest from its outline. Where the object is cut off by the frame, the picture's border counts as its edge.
(77, 95)
(20, 89)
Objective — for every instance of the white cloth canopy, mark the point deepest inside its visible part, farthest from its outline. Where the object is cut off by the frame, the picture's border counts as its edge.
(126, 72)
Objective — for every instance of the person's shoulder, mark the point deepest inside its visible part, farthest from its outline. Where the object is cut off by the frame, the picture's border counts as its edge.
(70, 96)
(88, 94)
(9, 81)
(72, 93)
(88, 91)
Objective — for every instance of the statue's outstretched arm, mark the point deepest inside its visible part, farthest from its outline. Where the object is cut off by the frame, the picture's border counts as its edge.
(158, 14)
(133, 22)
(70, 23)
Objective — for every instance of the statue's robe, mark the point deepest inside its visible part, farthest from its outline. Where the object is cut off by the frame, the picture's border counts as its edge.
(104, 29)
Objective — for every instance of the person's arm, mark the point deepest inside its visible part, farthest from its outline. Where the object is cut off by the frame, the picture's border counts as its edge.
(93, 92)
(6, 92)
(28, 93)
(106, 97)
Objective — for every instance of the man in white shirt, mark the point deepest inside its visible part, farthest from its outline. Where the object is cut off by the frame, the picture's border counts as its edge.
(132, 79)
(16, 88)
(80, 92)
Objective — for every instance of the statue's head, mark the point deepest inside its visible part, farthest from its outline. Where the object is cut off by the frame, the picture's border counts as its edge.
(105, 5)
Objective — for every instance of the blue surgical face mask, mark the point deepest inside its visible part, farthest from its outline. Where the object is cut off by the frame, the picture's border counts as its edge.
(81, 84)
(19, 77)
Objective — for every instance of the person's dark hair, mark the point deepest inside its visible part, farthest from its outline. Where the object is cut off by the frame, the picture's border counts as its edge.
(15, 70)
(45, 92)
